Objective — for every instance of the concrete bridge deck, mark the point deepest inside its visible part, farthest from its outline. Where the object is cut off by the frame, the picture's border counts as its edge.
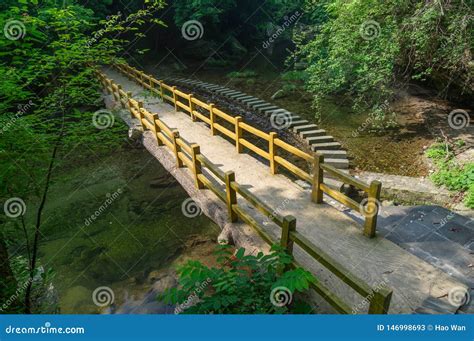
(416, 284)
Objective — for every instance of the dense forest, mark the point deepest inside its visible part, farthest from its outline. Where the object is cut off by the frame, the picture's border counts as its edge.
(363, 53)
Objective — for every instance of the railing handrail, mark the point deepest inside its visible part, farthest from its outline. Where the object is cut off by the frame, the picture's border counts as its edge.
(193, 160)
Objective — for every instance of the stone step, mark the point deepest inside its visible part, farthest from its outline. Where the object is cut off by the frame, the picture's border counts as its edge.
(247, 100)
(333, 154)
(307, 127)
(232, 92)
(221, 90)
(262, 105)
(242, 97)
(313, 133)
(267, 109)
(297, 123)
(252, 103)
(238, 95)
(320, 139)
(338, 163)
(326, 146)
(214, 87)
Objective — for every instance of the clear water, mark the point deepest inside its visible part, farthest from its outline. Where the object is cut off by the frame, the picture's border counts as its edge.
(141, 230)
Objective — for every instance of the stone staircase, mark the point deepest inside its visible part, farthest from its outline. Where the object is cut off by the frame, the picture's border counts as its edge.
(317, 139)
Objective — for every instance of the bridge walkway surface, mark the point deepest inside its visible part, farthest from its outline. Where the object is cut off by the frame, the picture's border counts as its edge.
(416, 284)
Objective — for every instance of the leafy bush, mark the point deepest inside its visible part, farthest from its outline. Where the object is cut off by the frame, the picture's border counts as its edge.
(450, 174)
(242, 284)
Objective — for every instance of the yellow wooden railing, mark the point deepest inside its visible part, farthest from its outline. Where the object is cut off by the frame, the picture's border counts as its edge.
(225, 186)
(219, 122)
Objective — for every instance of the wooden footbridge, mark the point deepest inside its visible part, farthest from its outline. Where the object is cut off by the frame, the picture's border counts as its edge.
(352, 264)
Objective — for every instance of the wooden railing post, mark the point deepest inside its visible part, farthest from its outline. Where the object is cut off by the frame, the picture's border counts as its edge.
(157, 129)
(238, 134)
(380, 301)
(174, 98)
(120, 96)
(272, 152)
(231, 195)
(177, 149)
(141, 115)
(212, 118)
(191, 108)
(373, 201)
(197, 169)
(161, 90)
(289, 225)
(318, 178)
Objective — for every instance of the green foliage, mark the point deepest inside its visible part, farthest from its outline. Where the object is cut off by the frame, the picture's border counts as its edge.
(455, 177)
(242, 284)
(359, 48)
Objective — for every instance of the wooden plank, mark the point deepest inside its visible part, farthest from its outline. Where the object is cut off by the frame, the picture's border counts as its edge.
(294, 169)
(255, 224)
(254, 148)
(165, 140)
(201, 117)
(231, 195)
(318, 178)
(331, 298)
(184, 145)
(293, 150)
(223, 115)
(200, 103)
(352, 204)
(183, 106)
(186, 160)
(217, 191)
(211, 166)
(331, 264)
(169, 98)
(181, 94)
(255, 131)
(346, 178)
(224, 130)
(258, 204)
(371, 209)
